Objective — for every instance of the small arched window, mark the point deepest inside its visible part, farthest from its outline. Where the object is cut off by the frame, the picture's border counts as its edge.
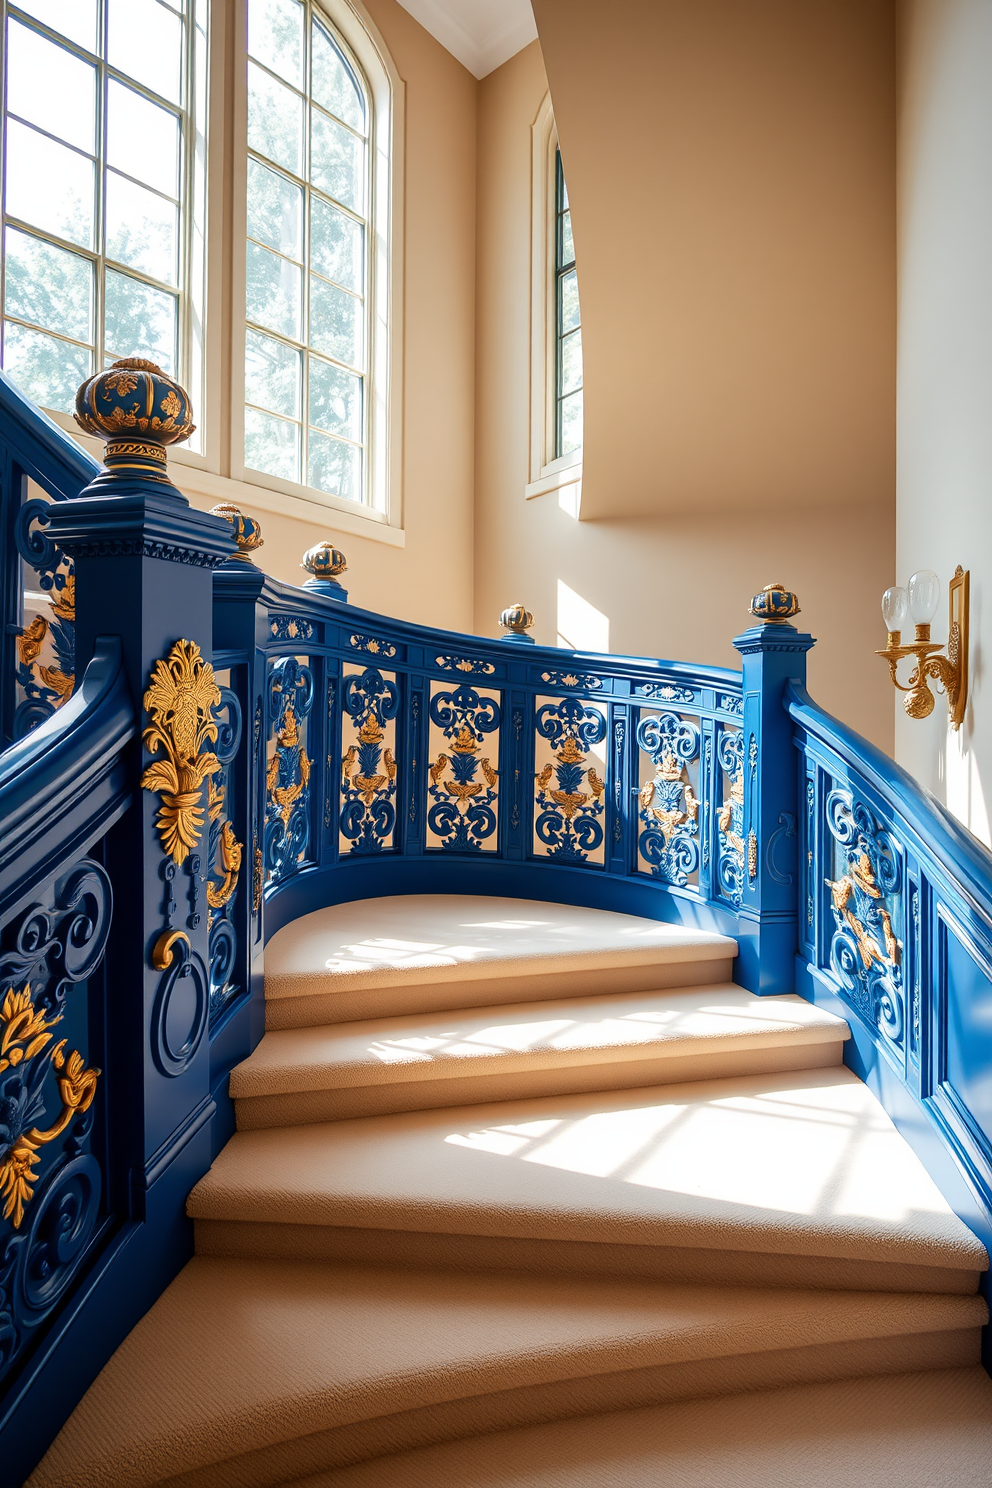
(101, 178)
(568, 327)
(309, 274)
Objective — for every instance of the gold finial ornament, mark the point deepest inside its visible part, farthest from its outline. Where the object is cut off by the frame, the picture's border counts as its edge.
(247, 530)
(517, 621)
(775, 605)
(180, 700)
(138, 410)
(324, 562)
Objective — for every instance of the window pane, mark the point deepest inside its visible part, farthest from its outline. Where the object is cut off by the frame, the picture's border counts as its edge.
(51, 87)
(142, 138)
(275, 292)
(569, 291)
(275, 37)
(49, 286)
(75, 19)
(567, 246)
(275, 120)
(333, 83)
(335, 399)
(275, 210)
(140, 320)
(571, 362)
(335, 467)
(571, 424)
(49, 185)
(335, 322)
(142, 229)
(337, 246)
(146, 41)
(48, 370)
(337, 161)
(272, 374)
(272, 445)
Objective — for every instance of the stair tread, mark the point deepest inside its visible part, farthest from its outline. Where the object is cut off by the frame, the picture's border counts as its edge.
(411, 939)
(523, 1036)
(803, 1164)
(898, 1431)
(239, 1355)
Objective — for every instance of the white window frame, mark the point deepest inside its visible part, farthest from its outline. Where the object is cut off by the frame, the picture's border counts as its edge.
(548, 473)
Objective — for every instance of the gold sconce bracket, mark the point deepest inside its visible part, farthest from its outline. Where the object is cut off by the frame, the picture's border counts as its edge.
(949, 672)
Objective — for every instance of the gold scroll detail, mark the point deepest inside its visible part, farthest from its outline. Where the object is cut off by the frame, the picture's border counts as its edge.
(31, 639)
(842, 890)
(181, 700)
(287, 738)
(463, 791)
(25, 1033)
(229, 851)
(668, 770)
(752, 855)
(259, 881)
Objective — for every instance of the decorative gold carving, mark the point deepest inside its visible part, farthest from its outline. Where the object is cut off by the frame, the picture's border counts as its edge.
(752, 855)
(180, 700)
(950, 672)
(229, 849)
(258, 883)
(726, 817)
(161, 956)
(287, 738)
(669, 770)
(861, 877)
(25, 1033)
(32, 638)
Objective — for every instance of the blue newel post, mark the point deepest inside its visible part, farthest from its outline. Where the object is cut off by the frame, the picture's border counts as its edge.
(773, 652)
(144, 563)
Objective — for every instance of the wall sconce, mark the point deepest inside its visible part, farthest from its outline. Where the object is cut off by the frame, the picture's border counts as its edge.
(919, 601)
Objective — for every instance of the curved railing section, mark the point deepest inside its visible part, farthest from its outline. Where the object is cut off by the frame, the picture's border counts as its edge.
(896, 935)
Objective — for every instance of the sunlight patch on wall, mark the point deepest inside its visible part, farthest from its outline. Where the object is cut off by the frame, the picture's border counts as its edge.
(581, 627)
(963, 785)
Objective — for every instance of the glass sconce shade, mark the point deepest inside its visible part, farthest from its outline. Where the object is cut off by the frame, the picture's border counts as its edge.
(924, 596)
(894, 608)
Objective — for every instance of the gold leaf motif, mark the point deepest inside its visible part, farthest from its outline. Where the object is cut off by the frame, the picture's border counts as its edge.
(230, 867)
(287, 738)
(180, 700)
(170, 405)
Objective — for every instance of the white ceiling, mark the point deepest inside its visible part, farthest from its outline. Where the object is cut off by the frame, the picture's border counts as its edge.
(482, 34)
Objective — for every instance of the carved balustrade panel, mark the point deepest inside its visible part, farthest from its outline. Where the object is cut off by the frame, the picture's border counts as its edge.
(671, 797)
(570, 765)
(463, 786)
(44, 644)
(289, 762)
(369, 761)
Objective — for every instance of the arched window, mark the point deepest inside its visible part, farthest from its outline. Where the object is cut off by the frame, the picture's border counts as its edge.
(102, 189)
(568, 327)
(310, 285)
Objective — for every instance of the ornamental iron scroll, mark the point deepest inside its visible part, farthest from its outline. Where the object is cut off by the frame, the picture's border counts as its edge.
(668, 808)
(50, 1183)
(180, 701)
(45, 647)
(568, 821)
(287, 776)
(463, 783)
(730, 822)
(865, 953)
(368, 764)
(224, 855)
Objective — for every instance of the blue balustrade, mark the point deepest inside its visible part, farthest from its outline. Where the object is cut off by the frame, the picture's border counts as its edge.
(196, 754)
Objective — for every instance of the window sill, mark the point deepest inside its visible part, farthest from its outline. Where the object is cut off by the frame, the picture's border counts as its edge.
(554, 477)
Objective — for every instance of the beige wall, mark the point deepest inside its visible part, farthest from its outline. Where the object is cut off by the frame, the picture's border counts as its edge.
(673, 577)
(945, 365)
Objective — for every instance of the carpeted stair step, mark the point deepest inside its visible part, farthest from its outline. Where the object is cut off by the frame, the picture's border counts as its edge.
(246, 1374)
(468, 1055)
(377, 958)
(932, 1429)
(773, 1180)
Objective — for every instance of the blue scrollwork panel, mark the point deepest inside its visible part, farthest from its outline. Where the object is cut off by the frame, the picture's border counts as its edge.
(668, 807)
(569, 810)
(51, 1183)
(371, 701)
(730, 821)
(290, 693)
(225, 852)
(865, 953)
(463, 787)
(45, 647)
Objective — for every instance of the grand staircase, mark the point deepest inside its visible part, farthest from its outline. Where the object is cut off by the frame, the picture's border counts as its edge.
(530, 1195)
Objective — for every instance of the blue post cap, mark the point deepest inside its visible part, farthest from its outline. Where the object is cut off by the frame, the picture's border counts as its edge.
(247, 531)
(775, 605)
(516, 621)
(324, 562)
(138, 410)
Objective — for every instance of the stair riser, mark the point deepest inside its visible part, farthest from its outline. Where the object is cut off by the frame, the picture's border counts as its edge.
(399, 1249)
(301, 1108)
(315, 1009)
(563, 1399)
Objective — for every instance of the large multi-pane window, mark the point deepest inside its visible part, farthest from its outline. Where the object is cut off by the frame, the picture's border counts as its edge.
(100, 172)
(568, 327)
(307, 305)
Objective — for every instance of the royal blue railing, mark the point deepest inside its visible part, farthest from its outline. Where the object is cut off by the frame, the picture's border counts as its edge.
(241, 751)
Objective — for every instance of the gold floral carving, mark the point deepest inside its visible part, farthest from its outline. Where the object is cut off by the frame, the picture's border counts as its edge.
(842, 890)
(288, 737)
(669, 770)
(180, 701)
(229, 851)
(259, 881)
(25, 1033)
(32, 638)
